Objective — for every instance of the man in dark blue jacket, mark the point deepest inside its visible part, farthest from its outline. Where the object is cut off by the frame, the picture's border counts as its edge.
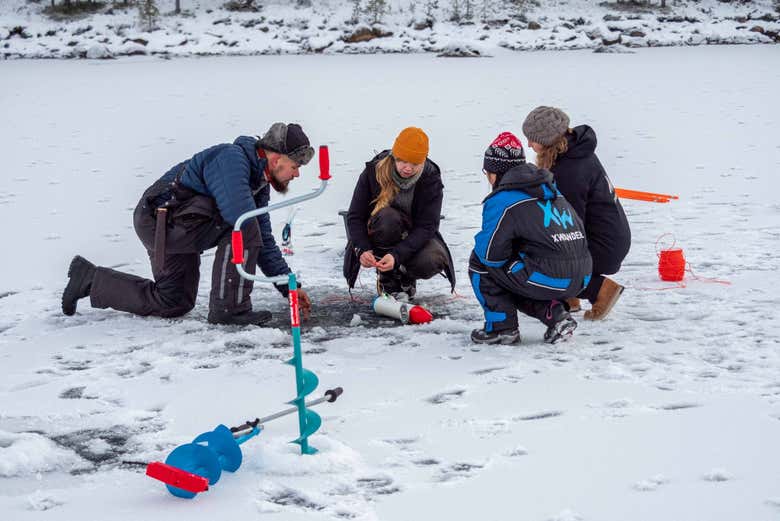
(192, 208)
(531, 253)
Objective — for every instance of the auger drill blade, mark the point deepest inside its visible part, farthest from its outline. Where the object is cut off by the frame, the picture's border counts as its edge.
(194, 459)
(221, 442)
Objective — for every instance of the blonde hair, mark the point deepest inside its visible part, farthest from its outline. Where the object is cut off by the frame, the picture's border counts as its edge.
(549, 154)
(388, 188)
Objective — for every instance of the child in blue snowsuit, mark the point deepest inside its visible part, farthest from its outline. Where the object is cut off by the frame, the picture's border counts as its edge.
(531, 253)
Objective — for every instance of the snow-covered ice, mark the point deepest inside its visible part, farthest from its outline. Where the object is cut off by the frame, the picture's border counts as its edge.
(668, 410)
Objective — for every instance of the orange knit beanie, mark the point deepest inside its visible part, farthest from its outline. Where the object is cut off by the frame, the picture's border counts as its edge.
(411, 146)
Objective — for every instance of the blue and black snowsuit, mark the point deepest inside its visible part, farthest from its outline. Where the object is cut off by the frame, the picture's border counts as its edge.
(203, 197)
(531, 249)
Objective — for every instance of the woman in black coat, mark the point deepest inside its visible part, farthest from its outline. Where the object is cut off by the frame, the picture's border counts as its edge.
(580, 177)
(393, 219)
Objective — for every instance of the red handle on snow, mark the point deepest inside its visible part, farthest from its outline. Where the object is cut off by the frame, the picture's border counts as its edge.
(324, 163)
(177, 477)
(238, 247)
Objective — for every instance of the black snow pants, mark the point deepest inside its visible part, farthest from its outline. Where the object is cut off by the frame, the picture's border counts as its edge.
(193, 226)
(606, 261)
(502, 292)
(387, 228)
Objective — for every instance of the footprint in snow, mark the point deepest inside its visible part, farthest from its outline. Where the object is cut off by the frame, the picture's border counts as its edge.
(677, 406)
(40, 501)
(774, 502)
(538, 416)
(401, 441)
(426, 462)
(459, 470)
(286, 497)
(717, 475)
(651, 484)
(74, 393)
(446, 396)
(517, 451)
(487, 370)
(377, 486)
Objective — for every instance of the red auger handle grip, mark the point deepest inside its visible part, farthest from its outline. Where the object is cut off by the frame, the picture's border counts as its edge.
(177, 477)
(238, 247)
(324, 163)
(333, 394)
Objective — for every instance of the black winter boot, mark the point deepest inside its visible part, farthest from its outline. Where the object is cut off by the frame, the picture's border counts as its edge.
(247, 318)
(80, 275)
(506, 337)
(560, 324)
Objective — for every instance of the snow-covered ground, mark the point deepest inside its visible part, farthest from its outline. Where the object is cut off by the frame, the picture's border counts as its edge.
(668, 410)
(207, 27)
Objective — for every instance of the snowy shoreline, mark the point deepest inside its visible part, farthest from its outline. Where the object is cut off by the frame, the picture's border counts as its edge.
(207, 28)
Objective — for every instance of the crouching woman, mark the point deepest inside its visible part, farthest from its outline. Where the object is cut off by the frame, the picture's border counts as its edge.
(531, 253)
(393, 219)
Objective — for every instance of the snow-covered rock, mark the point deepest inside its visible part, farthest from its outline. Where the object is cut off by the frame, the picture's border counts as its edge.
(98, 52)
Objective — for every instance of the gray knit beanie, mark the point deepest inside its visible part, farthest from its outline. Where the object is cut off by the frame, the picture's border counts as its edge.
(288, 139)
(544, 125)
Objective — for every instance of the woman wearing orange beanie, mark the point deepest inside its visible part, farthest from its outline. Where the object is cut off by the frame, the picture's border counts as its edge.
(393, 219)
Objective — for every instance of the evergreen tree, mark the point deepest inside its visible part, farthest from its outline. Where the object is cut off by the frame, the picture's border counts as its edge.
(430, 9)
(468, 8)
(455, 11)
(148, 13)
(356, 10)
(376, 9)
(487, 10)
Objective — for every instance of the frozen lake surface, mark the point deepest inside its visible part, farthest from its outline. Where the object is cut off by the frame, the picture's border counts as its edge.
(670, 409)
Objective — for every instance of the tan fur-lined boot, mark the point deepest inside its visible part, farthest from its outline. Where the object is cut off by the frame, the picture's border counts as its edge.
(608, 295)
(574, 304)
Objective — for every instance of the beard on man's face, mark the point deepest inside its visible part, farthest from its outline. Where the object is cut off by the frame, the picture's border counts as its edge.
(277, 185)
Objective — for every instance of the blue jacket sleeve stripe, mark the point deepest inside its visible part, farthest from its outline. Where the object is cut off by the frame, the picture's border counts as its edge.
(493, 213)
(490, 316)
(540, 279)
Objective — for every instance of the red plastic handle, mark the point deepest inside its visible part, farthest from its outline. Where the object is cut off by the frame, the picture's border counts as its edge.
(324, 163)
(295, 315)
(238, 247)
(177, 477)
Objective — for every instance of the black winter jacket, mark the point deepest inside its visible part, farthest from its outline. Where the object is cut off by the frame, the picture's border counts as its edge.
(528, 226)
(426, 209)
(584, 183)
(425, 217)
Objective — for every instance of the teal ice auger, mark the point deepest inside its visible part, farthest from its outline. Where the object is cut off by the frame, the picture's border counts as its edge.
(191, 468)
